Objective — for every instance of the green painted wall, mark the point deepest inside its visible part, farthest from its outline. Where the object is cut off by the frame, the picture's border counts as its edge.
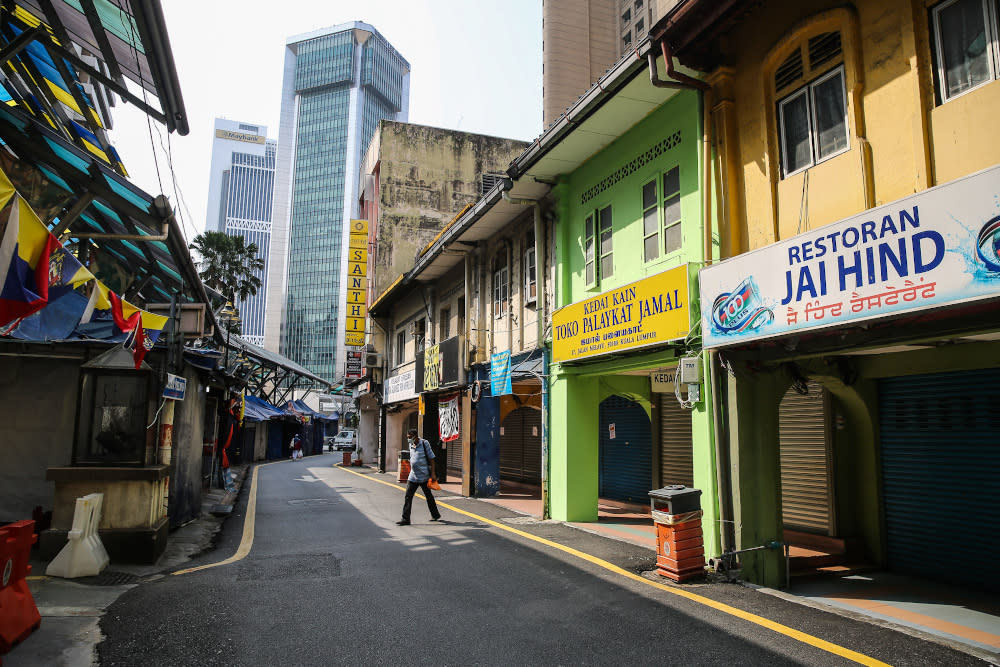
(577, 390)
(679, 118)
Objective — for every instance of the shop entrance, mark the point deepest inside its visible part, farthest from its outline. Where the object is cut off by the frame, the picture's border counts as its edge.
(803, 431)
(625, 451)
(521, 446)
(940, 445)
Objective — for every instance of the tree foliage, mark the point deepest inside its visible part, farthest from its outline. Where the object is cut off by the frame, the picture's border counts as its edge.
(228, 264)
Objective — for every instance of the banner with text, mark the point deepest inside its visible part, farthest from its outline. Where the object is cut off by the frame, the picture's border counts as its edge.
(648, 312)
(449, 418)
(939, 247)
(500, 374)
(357, 284)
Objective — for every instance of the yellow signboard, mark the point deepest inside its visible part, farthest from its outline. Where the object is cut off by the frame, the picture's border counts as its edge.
(357, 284)
(648, 312)
(432, 367)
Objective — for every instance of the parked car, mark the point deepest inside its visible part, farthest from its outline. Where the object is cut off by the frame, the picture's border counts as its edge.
(344, 441)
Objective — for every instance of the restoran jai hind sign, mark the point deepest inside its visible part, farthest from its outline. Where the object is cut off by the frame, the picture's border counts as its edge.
(647, 312)
(939, 247)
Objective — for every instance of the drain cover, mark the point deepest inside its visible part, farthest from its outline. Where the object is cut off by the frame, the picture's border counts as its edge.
(110, 578)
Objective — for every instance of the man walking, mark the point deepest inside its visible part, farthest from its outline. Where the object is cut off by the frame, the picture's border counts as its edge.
(421, 470)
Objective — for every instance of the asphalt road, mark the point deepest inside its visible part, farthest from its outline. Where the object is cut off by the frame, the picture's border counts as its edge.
(330, 579)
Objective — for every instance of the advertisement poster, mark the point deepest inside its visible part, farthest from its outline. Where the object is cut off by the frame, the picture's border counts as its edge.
(936, 248)
(648, 312)
(449, 422)
(500, 373)
(353, 365)
(400, 387)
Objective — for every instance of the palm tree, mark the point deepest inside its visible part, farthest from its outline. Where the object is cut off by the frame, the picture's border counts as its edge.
(228, 264)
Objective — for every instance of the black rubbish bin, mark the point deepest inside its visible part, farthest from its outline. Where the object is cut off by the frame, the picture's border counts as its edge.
(675, 499)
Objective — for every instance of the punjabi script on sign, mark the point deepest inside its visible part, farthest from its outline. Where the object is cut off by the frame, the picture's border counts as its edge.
(815, 311)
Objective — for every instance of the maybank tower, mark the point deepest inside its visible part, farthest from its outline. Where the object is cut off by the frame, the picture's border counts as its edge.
(338, 84)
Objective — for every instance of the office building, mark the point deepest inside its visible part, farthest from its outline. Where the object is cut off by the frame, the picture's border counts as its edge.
(240, 192)
(581, 39)
(338, 84)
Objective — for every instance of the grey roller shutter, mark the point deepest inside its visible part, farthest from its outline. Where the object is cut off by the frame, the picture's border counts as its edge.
(805, 461)
(676, 455)
(455, 453)
(940, 445)
(521, 446)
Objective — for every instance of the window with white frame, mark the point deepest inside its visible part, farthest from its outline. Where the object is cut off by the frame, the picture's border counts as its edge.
(669, 224)
(530, 277)
(965, 40)
(812, 115)
(672, 236)
(604, 230)
(400, 347)
(589, 265)
(598, 257)
(500, 288)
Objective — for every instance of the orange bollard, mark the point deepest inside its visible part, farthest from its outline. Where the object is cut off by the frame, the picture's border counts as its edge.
(19, 616)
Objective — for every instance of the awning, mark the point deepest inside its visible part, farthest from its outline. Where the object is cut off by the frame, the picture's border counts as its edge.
(257, 410)
(119, 40)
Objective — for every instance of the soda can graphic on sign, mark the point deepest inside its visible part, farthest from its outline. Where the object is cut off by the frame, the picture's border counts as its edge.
(740, 309)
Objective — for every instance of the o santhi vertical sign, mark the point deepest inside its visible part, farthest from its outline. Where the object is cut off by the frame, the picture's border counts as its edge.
(357, 284)
(650, 311)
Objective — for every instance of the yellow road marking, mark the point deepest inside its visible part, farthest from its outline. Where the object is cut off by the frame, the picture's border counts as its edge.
(248, 529)
(694, 597)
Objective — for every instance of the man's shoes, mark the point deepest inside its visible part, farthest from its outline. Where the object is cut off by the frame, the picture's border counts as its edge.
(402, 522)
(436, 518)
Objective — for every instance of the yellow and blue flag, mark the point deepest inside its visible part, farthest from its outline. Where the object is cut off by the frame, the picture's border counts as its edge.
(25, 251)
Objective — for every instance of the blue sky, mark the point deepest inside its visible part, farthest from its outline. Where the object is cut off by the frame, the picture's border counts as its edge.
(476, 66)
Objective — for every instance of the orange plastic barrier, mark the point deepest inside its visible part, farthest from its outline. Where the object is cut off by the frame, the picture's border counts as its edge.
(19, 616)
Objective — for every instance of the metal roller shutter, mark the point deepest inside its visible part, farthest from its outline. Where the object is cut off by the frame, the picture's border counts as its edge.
(521, 446)
(511, 449)
(805, 461)
(940, 443)
(532, 444)
(455, 454)
(626, 460)
(676, 455)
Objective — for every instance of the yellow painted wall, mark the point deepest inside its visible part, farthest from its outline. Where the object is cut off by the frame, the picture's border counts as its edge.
(910, 140)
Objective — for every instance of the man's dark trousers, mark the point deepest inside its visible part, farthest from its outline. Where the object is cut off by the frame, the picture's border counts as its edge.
(411, 488)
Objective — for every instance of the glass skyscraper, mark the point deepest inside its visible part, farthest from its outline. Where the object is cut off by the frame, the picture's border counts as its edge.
(338, 84)
(240, 195)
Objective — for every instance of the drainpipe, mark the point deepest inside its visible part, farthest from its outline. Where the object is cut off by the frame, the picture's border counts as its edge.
(723, 477)
(541, 311)
(539, 260)
(510, 301)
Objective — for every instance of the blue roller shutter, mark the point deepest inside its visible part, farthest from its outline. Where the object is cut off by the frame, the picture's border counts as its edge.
(626, 461)
(940, 443)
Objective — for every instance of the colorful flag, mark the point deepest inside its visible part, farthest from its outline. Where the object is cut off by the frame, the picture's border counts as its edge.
(24, 262)
(143, 328)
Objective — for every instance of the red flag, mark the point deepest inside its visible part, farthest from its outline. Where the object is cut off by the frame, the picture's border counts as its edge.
(138, 341)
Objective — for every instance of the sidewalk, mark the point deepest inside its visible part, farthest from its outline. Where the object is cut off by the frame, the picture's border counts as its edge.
(960, 618)
(71, 609)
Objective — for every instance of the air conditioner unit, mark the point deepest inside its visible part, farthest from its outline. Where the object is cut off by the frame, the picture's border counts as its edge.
(373, 360)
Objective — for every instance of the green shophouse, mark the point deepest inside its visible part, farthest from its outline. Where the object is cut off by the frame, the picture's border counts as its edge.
(627, 163)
